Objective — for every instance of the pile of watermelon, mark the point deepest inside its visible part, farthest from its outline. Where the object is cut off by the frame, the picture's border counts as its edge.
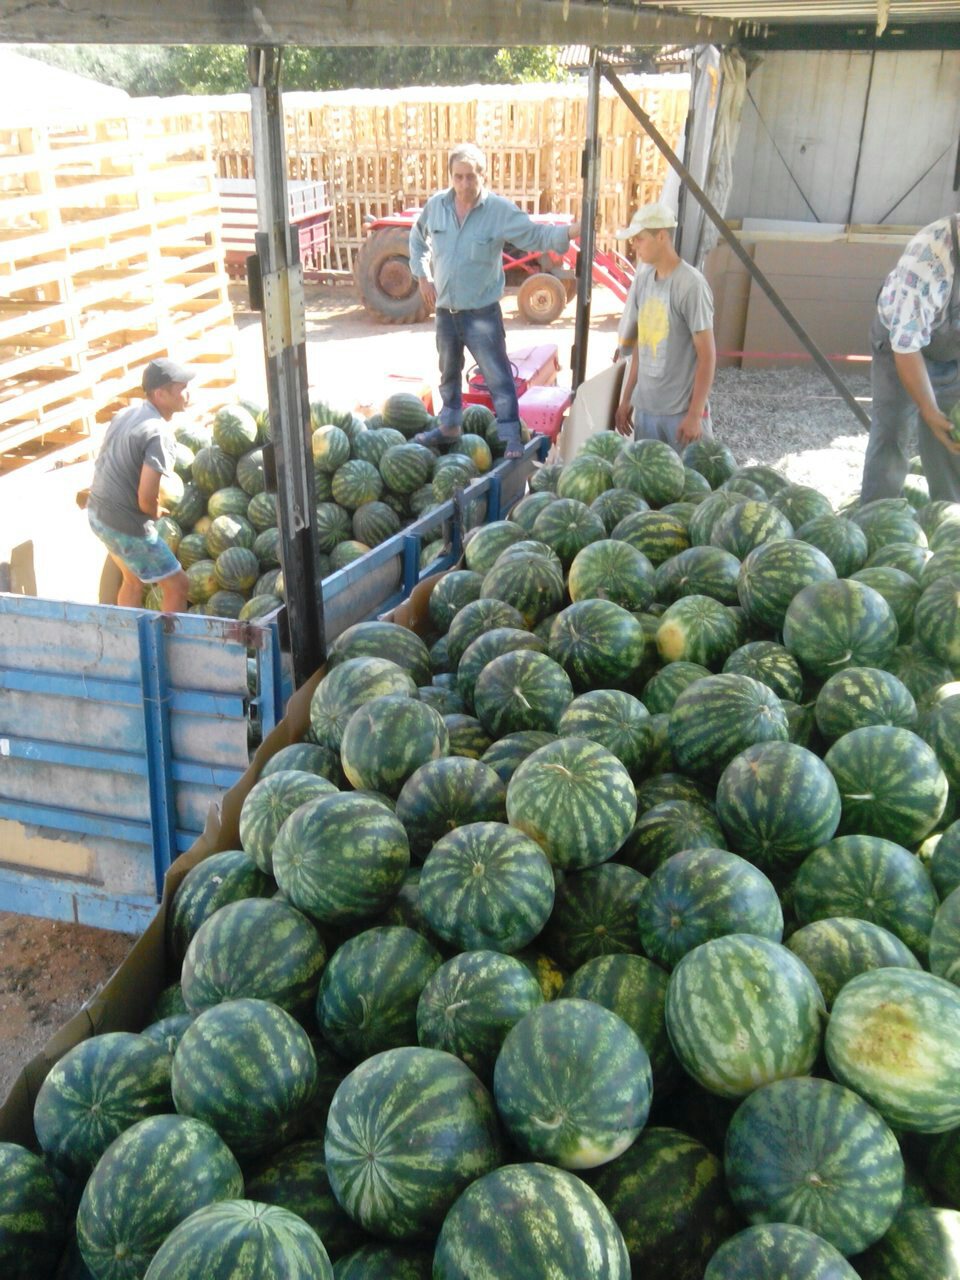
(370, 479)
(610, 929)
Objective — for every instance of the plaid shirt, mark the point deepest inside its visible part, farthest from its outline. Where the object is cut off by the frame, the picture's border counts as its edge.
(916, 294)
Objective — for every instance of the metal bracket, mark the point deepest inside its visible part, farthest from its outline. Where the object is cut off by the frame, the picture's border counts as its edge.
(284, 325)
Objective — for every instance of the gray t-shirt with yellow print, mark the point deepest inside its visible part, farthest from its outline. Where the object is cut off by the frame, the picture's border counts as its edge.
(659, 319)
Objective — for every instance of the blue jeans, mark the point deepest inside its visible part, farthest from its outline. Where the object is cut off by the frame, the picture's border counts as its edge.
(664, 426)
(481, 333)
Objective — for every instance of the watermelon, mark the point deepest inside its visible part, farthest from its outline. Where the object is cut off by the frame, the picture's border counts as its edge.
(259, 606)
(813, 1153)
(883, 525)
(168, 1032)
(568, 526)
(485, 544)
(665, 829)
(406, 467)
(445, 794)
(573, 1084)
(937, 620)
(776, 801)
(264, 1240)
(529, 507)
(211, 884)
(531, 584)
(387, 738)
(841, 541)
(467, 735)
(748, 525)
(383, 640)
(831, 625)
(475, 618)
(650, 468)
(231, 501)
(597, 643)
(385, 1261)
(237, 569)
(234, 430)
(333, 525)
(476, 448)
(672, 786)
(718, 717)
(697, 629)
(613, 719)
(667, 1196)
(665, 686)
(602, 444)
(368, 995)
(228, 531)
(595, 914)
(941, 729)
(635, 990)
(507, 753)
(908, 557)
(201, 581)
(181, 1162)
(861, 696)
(303, 757)
(837, 949)
(771, 664)
(251, 477)
(772, 574)
(698, 894)
(247, 1069)
(356, 482)
(742, 1011)
(406, 412)
(945, 940)
(800, 503)
(347, 687)
(33, 1223)
(705, 571)
(223, 604)
(575, 799)
(407, 1131)
(450, 593)
(521, 690)
(470, 1004)
(707, 514)
(711, 459)
(778, 1251)
(212, 469)
(345, 553)
(868, 878)
(610, 570)
(486, 886)
(945, 863)
(657, 534)
(900, 591)
(482, 651)
(614, 504)
(584, 478)
(890, 783)
(269, 803)
(894, 1038)
(921, 1242)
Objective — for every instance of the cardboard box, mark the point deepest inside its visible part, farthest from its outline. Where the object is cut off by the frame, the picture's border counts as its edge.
(730, 282)
(125, 1001)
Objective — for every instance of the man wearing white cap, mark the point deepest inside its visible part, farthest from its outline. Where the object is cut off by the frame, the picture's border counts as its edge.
(667, 326)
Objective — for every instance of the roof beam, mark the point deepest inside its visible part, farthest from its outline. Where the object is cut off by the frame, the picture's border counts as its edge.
(494, 23)
(852, 36)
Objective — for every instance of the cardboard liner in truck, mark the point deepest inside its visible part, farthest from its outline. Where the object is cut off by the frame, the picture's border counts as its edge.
(125, 1001)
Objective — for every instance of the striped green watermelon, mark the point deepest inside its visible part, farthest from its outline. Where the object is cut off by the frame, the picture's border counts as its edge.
(831, 625)
(149, 1180)
(341, 858)
(597, 643)
(269, 803)
(711, 458)
(229, 531)
(742, 1011)
(242, 1237)
(650, 468)
(303, 757)
(657, 534)
(665, 686)
(937, 620)
(841, 541)
(602, 444)
(883, 525)
(665, 829)
(387, 739)
(270, 583)
(529, 507)
(748, 525)
(406, 467)
(705, 571)
(368, 995)
(868, 878)
(234, 430)
(259, 947)
(506, 754)
(813, 1153)
(697, 629)
(237, 569)
(168, 1032)
(769, 479)
(944, 563)
(295, 1179)
(475, 618)
(800, 503)
(612, 570)
(356, 482)
(477, 448)
(778, 1251)
(944, 866)
(894, 1037)
(707, 514)
(900, 591)
(488, 646)
(330, 447)
(614, 719)
(485, 544)
(450, 593)
(941, 729)
(223, 604)
(861, 696)
(521, 690)
(575, 799)
(191, 549)
(485, 886)
(718, 717)
(407, 1131)
(470, 1004)
(699, 894)
(201, 581)
(614, 504)
(672, 786)
(94, 1092)
(532, 585)
(837, 949)
(445, 794)
(33, 1220)
(922, 1241)
(585, 478)
(247, 1069)
(333, 525)
(573, 1084)
(516, 1222)
(908, 557)
(212, 469)
(455, 473)
(776, 801)
(771, 664)
(385, 1261)
(231, 501)
(259, 606)
(945, 940)
(211, 884)
(568, 526)
(383, 640)
(890, 783)
(406, 412)
(668, 1197)
(772, 574)
(595, 914)
(696, 486)
(374, 523)
(346, 553)
(348, 686)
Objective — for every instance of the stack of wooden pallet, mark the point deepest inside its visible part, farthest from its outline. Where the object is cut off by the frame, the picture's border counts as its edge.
(110, 255)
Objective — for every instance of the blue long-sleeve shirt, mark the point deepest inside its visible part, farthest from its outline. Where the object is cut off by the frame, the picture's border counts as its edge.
(464, 260)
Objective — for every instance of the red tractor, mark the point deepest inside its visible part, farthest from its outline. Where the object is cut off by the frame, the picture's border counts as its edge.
(548, 281)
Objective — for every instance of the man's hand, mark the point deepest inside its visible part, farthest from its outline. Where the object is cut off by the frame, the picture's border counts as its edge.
(428, 291)
(623, 418)
(690, 429)
(942, 428)
(573, 230)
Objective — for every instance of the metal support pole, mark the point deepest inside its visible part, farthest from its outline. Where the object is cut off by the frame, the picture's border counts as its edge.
(590, 167)
(155, 689)
(282, 316)
(714, 215)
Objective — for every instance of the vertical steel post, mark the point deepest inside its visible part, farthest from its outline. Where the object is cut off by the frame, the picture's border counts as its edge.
(590, 169)
(155, 691)
(282, 317)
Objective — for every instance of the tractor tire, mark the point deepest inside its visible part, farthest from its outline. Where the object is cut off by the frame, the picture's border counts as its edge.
(384, 278)
(542, 298)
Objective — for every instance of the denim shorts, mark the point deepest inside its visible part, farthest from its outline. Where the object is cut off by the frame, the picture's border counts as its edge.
(148, 557)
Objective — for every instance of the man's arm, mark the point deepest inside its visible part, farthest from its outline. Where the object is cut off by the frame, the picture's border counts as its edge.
(623, 418)
(148, 491)
(517, 227)
(420, 260)
(691, 426)
(913, 373)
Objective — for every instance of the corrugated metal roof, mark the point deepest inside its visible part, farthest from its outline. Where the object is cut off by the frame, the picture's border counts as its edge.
(880, 12)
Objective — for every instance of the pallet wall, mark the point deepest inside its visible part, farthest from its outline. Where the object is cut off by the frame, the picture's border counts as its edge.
(110, 255)
(380, 151)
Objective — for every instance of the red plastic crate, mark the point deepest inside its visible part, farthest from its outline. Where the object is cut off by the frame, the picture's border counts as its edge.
(542, 409)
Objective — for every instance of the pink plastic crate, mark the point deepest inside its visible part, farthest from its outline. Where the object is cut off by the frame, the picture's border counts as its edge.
(543, 409)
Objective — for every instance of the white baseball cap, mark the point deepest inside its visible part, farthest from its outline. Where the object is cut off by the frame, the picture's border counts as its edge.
(649, 217)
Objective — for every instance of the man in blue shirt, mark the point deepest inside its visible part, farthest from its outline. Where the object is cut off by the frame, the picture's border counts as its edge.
(456, 255)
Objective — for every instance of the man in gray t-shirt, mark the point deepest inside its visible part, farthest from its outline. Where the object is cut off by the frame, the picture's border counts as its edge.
(138, 450)
(668, 323)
